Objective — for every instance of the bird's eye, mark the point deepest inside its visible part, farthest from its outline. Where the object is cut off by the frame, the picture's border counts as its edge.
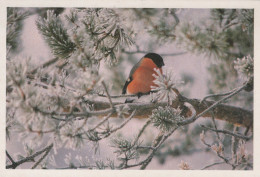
(128, 80)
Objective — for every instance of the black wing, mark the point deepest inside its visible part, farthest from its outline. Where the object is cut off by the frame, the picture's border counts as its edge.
(126, 84)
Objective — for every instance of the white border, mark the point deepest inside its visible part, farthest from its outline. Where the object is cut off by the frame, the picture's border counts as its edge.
(130, 4)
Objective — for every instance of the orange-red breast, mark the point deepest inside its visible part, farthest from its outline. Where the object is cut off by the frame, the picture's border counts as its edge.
(141, 76)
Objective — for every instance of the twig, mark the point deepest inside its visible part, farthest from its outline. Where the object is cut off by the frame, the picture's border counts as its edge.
(116, 96)
(145, 147)
(211, 165)
(108, 95)
(46, 86)
(226, 160)
(228, 133)
(229, 25)
(234, 148)
(176, 18)
(44, 65)
(9, 157)
(173, 54)
(156, 141)
(43, 157)
(146, 161)
(145, 52)
(155, 27)
(80, 167)
(192, 119)
(78, 114)
(218, 94)
(122, 125)
(141, 131)
(101, 122)
(214, 124)
(29, 158)
(247, 129)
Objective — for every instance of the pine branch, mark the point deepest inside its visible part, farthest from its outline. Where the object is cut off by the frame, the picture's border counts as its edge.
(56, 35)
(15, 17)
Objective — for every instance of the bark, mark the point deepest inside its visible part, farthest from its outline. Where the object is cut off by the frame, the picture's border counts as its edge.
(234, 115)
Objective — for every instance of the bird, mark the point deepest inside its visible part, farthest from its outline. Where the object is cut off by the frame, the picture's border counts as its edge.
(141, 76)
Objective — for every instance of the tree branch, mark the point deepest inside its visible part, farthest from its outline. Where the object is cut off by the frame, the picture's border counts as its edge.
(206, 109)
(231, 114)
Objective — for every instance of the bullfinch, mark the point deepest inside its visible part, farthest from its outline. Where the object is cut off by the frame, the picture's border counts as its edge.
(141, 76)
